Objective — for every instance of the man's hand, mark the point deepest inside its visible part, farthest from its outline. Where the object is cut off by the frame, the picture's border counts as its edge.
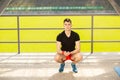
(66, 53)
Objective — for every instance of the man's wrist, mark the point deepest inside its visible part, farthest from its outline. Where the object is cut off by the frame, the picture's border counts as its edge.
(71, 52)
(62, 52)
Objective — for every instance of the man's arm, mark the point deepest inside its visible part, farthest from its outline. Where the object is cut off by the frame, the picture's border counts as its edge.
(77, 49)
(59, 51)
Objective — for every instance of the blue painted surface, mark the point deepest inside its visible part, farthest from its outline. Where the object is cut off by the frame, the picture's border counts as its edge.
(117, 70)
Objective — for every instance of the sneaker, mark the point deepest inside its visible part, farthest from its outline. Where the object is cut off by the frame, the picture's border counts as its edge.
(61, 69)
(74, 68)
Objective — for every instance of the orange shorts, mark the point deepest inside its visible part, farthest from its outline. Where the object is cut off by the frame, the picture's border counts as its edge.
(69, 57)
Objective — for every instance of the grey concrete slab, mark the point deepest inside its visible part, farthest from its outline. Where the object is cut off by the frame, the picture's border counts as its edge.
(43, 67)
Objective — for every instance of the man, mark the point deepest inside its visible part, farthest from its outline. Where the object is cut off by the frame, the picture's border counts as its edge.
(68, 47)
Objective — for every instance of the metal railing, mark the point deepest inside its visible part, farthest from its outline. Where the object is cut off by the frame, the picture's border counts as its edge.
(89, 41)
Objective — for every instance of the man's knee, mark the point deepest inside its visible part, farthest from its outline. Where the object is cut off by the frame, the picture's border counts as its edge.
(80, 58)
(56, 58)
(77, 58)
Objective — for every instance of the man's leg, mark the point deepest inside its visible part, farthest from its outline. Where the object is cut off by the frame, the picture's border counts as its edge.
(75, 58)
(60, 59)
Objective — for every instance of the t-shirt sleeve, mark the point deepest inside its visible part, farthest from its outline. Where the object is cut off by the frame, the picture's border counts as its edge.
(77, 37)
(58, 38)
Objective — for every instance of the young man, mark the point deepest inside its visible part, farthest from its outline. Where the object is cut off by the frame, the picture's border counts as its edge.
(68, 47)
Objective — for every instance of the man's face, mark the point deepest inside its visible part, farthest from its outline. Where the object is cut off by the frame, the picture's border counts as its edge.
(67, 26)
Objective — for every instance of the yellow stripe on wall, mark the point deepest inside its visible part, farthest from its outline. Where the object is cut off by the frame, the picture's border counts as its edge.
(49, 35)
(48, 47)
(8, 35)
(106, 21)
(39, 35)
(84, 34)
(106, 47)
(107, 34)
(54, 21)
(85, 47)
(38, 47)
(8, 47)
(8, 22)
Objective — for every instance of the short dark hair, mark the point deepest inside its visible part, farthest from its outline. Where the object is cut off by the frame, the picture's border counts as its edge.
(67, 20)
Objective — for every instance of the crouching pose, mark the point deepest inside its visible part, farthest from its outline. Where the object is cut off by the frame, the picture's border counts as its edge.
(68, 47)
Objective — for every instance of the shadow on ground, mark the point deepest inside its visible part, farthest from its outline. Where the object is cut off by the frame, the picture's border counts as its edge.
(62, 76)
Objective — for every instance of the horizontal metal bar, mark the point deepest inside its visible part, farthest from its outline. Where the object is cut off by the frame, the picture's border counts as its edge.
(41, 42)
(8, 29)
(39, 28)
(8, 42)
(52, 28)
(55, 41)
(49, 28)
(112, 41)
(48, 42)
(107, 28)
(37, 42)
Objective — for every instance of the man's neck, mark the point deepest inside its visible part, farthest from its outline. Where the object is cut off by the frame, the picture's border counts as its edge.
(68, 33)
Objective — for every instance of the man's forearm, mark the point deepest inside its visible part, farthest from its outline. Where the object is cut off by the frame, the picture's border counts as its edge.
(59, 51)
(75, 51)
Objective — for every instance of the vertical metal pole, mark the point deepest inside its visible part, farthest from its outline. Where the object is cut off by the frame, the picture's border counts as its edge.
(92, 25)
(18, 33)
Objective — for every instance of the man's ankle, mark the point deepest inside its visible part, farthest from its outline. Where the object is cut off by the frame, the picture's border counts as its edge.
(74, 68)
(61, 69)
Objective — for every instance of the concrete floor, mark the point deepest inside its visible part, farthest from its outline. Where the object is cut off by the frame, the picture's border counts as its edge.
(42, 67)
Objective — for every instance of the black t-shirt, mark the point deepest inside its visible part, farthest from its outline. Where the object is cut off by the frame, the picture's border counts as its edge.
(68, 43)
